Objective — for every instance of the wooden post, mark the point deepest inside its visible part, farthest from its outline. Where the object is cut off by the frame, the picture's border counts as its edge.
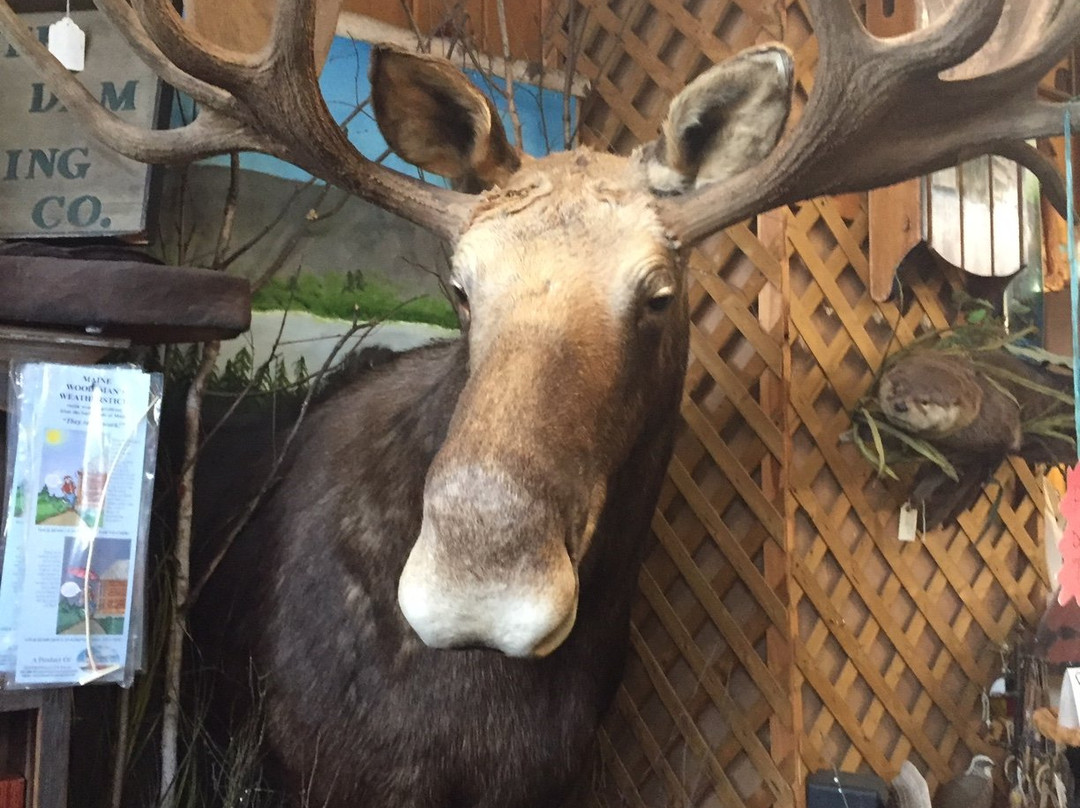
(896, 211)
(785, 739)
(46, 743)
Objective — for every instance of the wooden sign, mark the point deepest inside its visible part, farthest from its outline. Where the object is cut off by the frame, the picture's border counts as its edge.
(55, 180)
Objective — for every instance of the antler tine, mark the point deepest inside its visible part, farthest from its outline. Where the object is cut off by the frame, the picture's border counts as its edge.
(209, 135)
(879, 113)
(284, 91)
(269, 102)
(293, 33)
(1044, 49)
(836, 22)
(192, 53)
(1050, 180)
(279, 94)
(125, 20)
(948, 41)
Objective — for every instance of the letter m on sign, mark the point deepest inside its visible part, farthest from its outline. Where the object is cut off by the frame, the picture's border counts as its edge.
(117, 101)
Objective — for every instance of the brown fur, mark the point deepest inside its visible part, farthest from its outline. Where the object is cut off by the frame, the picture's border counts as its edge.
(350, 694)
(523, 460)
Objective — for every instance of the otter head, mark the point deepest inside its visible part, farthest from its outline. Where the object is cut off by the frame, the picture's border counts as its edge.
(930, 394)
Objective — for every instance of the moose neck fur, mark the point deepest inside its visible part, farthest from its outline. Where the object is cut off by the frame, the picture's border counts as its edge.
(337, 658)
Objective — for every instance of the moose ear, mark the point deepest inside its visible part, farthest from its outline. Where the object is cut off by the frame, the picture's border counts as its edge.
(727, 119)
(434, 117)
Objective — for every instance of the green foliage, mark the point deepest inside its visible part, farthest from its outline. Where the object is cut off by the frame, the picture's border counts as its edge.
(300, 371)
(181, 362)
(240, 374)
(48, 505)
(350, 296)
(67, 616)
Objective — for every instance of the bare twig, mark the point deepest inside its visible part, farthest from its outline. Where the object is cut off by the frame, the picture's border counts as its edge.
(271, 478)
(570, 68)
(229, 214)
(301, 233)
(120, 757)
(543, 30)
(174, 653)
(422, 45)
(283, 211)
(243, 394)
(181, 209)
(170, 726)
(268, 228)
(508, 73)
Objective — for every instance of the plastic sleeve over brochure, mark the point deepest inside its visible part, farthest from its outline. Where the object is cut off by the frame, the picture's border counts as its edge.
(82, 443)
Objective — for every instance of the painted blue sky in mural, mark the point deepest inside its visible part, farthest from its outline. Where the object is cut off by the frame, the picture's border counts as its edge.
(344, 84)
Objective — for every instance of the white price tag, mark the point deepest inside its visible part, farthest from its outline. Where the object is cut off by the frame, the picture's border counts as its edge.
(67, 42)
(909, 522)
(1068, 713)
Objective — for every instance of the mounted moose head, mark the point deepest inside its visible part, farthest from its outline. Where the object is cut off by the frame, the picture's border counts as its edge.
(573, 301)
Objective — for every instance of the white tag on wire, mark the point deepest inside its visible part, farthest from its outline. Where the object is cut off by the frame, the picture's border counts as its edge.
(67, 42)
(909, 522)
(1069, 701)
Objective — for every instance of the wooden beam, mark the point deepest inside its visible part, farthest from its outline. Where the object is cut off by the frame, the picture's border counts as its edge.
(896, 211)
(244, 25)
(142, 302)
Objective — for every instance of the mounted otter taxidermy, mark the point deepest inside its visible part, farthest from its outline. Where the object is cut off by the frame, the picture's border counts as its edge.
(942, 398)
(959, 403)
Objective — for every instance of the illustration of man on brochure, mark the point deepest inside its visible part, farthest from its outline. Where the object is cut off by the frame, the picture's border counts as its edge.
(69, 492)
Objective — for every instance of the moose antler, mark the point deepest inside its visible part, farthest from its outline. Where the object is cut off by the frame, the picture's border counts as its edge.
(881, 111)
(267, 102)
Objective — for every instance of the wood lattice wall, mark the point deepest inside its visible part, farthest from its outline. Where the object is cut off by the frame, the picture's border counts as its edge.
(782, 628)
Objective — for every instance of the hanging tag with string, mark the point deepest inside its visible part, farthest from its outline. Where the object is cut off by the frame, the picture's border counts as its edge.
(67, 42)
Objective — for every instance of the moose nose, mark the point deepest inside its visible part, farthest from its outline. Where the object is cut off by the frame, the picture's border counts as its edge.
(518, 624)
(490, 568)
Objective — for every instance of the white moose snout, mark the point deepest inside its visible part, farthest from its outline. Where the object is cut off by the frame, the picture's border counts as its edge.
(477, 576)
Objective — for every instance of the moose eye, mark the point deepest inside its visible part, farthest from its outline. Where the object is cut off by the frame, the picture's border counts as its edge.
(460, 297)
(661, 299)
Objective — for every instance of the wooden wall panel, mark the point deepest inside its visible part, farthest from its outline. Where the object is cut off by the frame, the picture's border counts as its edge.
(244, 25)
(477, 19)
(782, 627)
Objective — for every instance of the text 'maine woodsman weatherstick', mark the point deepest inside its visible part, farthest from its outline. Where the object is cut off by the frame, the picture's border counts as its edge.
(71, 588)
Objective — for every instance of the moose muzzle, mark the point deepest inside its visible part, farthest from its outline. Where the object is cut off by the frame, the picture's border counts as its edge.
(490, 567)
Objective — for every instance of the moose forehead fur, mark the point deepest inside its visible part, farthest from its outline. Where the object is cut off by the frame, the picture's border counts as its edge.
(571, 227)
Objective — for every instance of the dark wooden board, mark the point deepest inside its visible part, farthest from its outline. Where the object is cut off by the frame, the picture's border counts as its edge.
(141, 302)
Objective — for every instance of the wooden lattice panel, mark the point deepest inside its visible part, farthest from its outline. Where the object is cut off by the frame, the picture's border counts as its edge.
(896, 642)
(782, 628)
(695, 713)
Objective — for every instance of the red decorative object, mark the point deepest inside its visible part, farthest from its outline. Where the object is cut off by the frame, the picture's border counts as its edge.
(1069, 577)
(12, 791)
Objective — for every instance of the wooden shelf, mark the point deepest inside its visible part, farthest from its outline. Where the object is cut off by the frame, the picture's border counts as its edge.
(144, 303)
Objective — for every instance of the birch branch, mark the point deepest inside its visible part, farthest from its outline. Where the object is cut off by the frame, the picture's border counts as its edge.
(508, 74)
